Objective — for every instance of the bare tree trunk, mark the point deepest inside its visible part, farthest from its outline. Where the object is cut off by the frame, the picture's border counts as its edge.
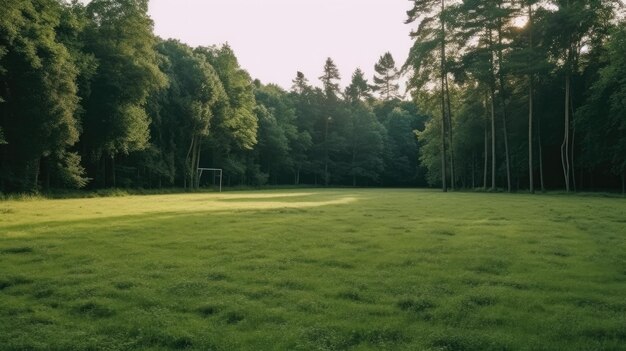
(443, 102)
(450, 139)
(104, 171)
(573, 143)
(503, 102)
(530, 106)
(565, 144)
(473, 169)
(198, 163)
(493, 142)
(543, 188)
(113, 170)
(36, 170)
(623, 181)
(530, 136)
(353, 163)
(506, 151)
(572, 154)
(492, 88)
(486, 159)
(189, 163)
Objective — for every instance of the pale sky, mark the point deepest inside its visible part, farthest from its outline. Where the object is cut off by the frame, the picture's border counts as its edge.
(273, 39)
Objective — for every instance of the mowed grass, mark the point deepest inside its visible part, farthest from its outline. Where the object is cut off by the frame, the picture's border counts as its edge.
(314, 270)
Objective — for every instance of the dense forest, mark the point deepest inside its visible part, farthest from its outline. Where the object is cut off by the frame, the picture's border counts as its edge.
(512, 95)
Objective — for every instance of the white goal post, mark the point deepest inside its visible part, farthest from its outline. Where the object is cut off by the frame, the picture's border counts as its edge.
(217, 172)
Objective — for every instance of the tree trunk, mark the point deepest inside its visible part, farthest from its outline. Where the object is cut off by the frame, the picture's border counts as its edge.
(47, 181)
(531, 185)
(565, 144)
(543, 188)
(493, 142)
(503, 102)
(36, 172)
(486, 154)
(530, 136)
(198, 153)
(104, 171)
(444, 172)
(189, 163)
(473, 169)
(113, 171)
(572, 155)
(450, 143)
(506, 151)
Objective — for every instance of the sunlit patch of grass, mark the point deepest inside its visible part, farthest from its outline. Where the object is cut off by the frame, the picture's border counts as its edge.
(313, 270)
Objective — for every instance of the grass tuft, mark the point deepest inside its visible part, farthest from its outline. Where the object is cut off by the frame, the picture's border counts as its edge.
(93, 310)
(17, 250)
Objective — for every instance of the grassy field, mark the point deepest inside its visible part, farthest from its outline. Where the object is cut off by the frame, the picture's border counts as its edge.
(314, 270)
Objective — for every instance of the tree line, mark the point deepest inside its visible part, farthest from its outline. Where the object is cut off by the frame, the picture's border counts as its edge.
(90, 97)
(521, 94)
(513, 95)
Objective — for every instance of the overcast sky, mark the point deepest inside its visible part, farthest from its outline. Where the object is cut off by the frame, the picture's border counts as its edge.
(275, 38)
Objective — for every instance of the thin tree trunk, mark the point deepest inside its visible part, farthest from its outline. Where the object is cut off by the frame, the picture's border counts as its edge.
(443, 102)
(572, 155)
(113, 170)
(36, 169)
(530, 105)
(198, 163)
(353, 164)
(530, 136)
(503, 102)
(506, 151)
(189, 163)
(486, 159)
(486, 154)
(573, 143)
(543, 188)
(565, 144)
(450, 139)
(493, 142)
(473, 169)
(104, 171)
(47, 182)
(492, 87)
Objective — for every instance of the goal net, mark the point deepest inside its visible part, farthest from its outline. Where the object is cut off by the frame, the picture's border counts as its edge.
(215, 176)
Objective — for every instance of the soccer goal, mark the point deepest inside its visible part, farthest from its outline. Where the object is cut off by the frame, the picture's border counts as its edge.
(216, 173)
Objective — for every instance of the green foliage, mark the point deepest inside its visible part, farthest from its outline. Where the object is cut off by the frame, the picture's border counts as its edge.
(385, 79)
(39, 94)
(88, 92)
(184, 110)
(365, 138)
(359, 89)
(401, 153)
(430, 150)
(300, 84)
(602, 117)
(235, 121)
(119, 33)
(69, 171)
(329, 79)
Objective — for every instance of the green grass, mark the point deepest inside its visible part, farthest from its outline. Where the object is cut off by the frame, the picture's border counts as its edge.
(314, 270)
